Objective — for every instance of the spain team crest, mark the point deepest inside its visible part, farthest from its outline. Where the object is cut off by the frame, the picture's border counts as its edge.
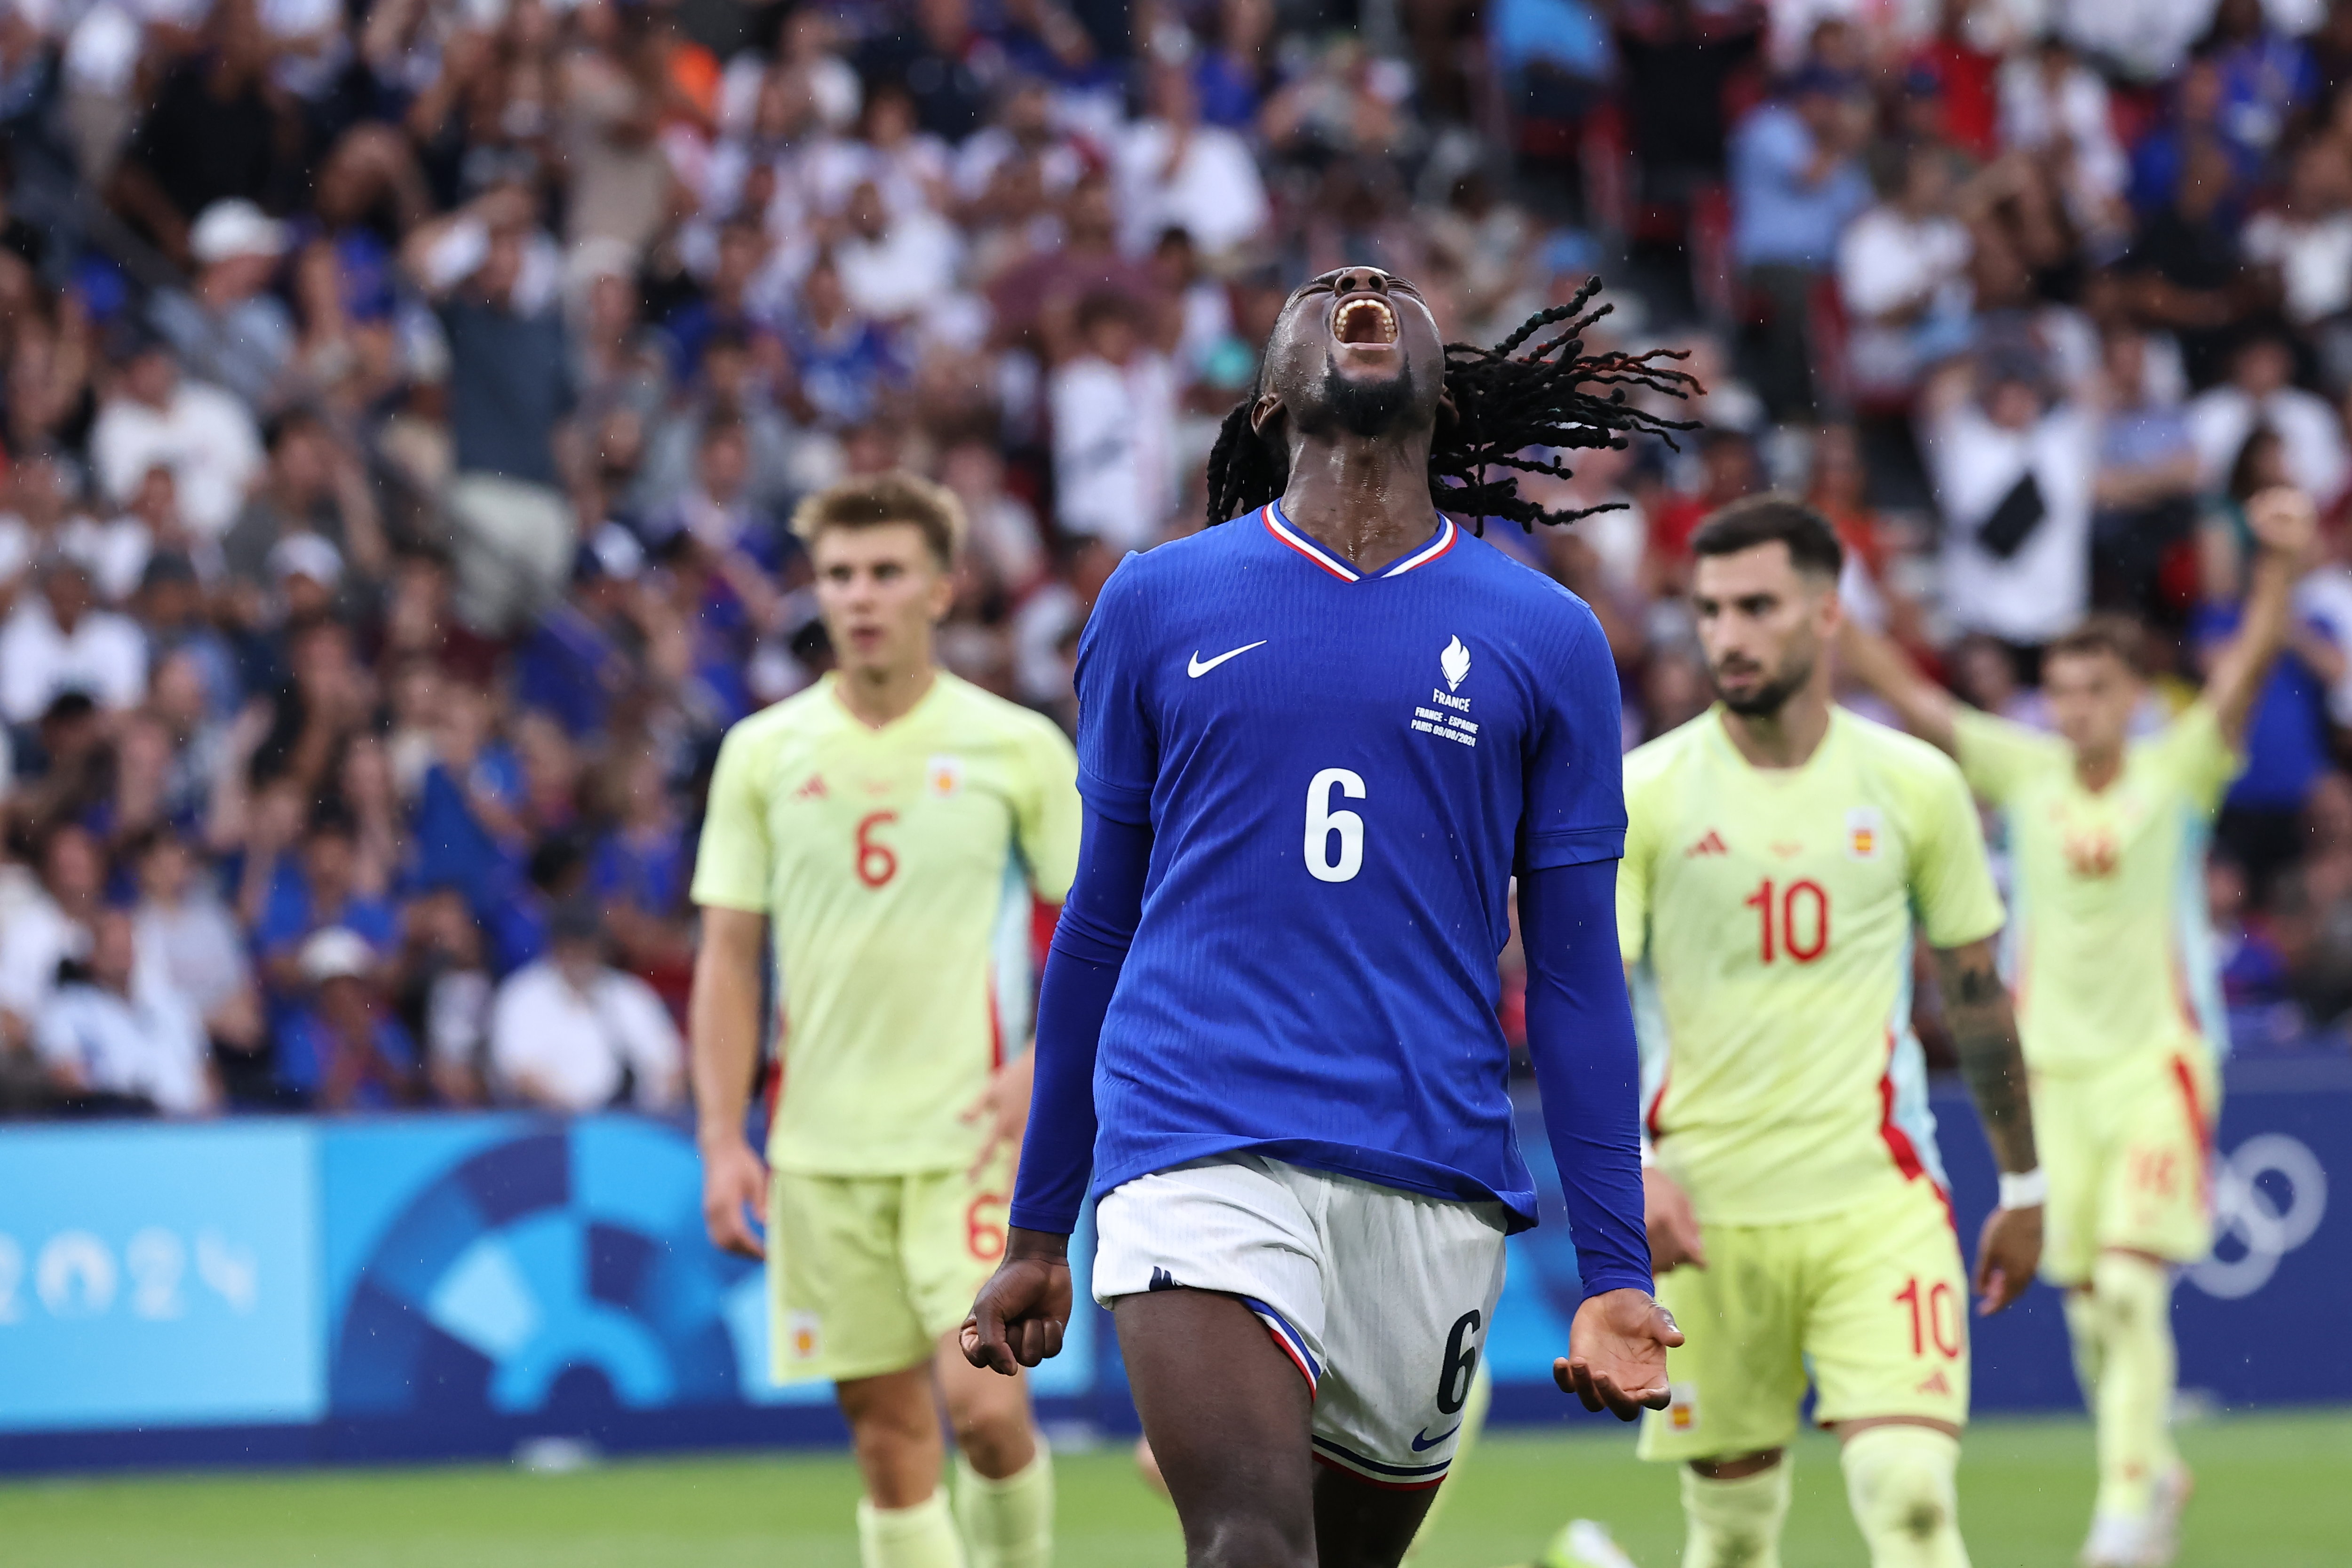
(1864, 833)
(944, 776)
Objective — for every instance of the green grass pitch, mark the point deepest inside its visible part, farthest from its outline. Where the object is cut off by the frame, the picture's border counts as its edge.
(2274, 1491)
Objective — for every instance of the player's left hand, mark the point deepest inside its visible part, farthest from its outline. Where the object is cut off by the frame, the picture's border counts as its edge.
(1004, 1106)
(2007, 1252)
(1616, 1357)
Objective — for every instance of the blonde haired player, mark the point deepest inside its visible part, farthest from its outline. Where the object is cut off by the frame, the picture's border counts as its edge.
(889, 824)
(1782, 858)
(2118, 993)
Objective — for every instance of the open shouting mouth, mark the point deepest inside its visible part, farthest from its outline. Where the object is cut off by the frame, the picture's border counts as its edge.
(1364, 321)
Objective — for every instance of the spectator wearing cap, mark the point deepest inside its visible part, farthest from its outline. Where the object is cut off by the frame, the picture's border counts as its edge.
(228, 328)
(316, 486)
(214, 131)
(2012, 468)
(57, 640)
(571, 1032)
(154, 417)
(308, 572)
(491, 273)
(341, 1048)
(320, 887)
(1795, 182)
(102, 1038)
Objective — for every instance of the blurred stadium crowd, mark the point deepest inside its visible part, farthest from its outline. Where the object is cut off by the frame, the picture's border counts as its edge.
(401, 405)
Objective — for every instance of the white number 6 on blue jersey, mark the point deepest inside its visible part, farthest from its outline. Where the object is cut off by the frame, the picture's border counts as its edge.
(1322, 821)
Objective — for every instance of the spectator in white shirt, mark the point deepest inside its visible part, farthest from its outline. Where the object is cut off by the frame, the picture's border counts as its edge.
(1114, 412)
(2012, 470)
(49, 928)
(1176, 172)
(1903, 276)
(895, 263)
(571, 1032)
(99, 1034)
(155, 418)
(2308, 238)
(2259, 392)
(2051, 103)
(57, 640)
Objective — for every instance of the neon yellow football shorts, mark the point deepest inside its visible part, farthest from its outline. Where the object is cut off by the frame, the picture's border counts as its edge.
(2129, 1149)
(864, 1273)
(1871, 1302)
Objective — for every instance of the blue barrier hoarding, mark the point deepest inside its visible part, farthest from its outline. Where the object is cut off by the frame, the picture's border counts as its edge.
(291, 1290)
(159, 1277)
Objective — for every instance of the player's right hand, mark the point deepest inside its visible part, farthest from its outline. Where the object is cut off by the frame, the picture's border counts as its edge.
(1021, 1313)
(734, 1188)
(1674, 1229)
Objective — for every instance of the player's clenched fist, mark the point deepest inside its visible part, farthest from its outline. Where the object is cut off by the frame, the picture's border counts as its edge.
(1616, 1357)
(734, 1188)
(1022, 1311)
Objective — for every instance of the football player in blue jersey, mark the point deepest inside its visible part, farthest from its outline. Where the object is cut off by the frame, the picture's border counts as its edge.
(1316, 745)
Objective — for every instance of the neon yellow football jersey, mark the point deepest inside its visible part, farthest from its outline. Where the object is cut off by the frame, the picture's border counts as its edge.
(1768, 917)
(2111, 951)
(894, 867)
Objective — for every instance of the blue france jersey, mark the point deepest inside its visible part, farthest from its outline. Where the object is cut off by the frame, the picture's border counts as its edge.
(1342, 774)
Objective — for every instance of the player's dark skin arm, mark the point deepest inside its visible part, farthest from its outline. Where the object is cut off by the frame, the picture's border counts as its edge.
(1984, 1035)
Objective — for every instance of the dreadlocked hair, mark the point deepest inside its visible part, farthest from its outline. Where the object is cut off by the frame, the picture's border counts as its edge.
(1505, 404)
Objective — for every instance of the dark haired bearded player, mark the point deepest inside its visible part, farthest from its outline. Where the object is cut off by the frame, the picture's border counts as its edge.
(1316, 745)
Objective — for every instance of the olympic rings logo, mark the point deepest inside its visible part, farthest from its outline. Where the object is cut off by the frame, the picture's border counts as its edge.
(2247, 1213)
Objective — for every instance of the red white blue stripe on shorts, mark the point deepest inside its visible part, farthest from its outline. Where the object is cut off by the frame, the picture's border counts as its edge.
(1390, 1478)
(1288, 1338)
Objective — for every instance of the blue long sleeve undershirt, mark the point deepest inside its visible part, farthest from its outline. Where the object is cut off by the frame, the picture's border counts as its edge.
(1579, 1034)
(1587, 1068)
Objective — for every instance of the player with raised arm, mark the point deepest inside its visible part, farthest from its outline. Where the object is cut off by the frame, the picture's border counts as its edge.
(1315, 744)
(1782, 858)
(2118, 992)
(889, 824)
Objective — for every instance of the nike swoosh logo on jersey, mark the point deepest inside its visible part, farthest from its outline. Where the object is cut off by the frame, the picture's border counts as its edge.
(1422, 1442)
(1200, 667)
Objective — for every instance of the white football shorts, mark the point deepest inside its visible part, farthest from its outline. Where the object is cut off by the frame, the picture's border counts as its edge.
(1381, 1298)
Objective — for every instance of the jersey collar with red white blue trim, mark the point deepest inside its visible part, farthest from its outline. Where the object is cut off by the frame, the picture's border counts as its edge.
(1279, 526)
